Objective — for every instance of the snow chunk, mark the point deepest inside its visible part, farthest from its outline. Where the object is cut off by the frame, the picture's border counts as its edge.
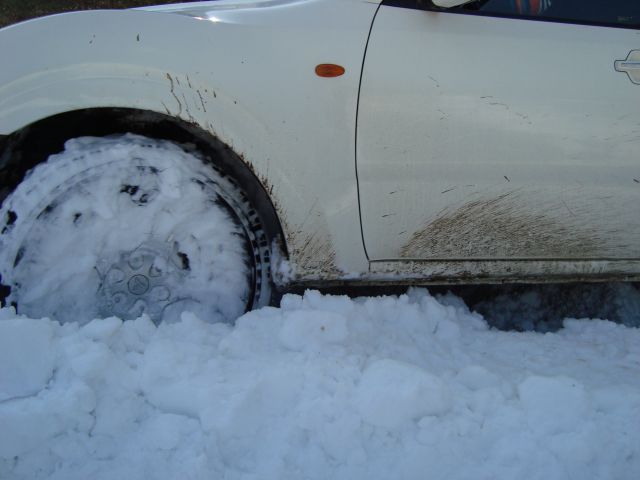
(26, 354)
(555, 404)
(26, 425)
(165, 431)
(102, 329)
(476, 377)
(302, 330)
(392, 393)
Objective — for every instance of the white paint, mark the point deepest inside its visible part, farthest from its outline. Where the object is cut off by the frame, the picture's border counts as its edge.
(497, 107)
(244, 74)
(524, 126)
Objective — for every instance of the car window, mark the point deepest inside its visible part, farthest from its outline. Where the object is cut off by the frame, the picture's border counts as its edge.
(609, 13)
(624, 13)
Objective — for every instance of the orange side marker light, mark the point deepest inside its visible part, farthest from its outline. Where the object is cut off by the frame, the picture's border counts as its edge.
(329, 70)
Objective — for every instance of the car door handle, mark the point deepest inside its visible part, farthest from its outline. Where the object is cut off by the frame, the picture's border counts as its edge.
(630, 66)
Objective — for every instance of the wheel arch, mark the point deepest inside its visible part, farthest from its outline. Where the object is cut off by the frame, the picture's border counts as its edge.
(32, 144)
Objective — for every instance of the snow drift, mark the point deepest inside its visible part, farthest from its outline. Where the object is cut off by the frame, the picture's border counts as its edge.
(409, 387)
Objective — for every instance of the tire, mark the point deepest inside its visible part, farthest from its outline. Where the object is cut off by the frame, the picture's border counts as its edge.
(126, 225)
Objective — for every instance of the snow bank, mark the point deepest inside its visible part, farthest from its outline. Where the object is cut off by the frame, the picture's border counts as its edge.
(408, 387)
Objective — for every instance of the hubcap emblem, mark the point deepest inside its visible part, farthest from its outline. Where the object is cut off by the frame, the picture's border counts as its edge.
(138, 284)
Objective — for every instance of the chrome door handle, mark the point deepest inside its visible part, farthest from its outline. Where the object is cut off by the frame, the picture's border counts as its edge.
(630, 66)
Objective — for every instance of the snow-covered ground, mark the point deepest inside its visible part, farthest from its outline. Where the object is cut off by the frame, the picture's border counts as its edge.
(327, 387)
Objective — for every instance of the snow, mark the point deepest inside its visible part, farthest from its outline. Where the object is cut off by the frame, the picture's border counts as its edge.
(409, 387)
(392, 393)
(527, 383)
(129, 201)
(27, 357)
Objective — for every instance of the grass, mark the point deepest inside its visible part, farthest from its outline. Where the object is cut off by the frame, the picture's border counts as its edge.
(12, 11)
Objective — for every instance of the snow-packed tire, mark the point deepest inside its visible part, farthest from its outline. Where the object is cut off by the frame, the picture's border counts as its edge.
(125, 225)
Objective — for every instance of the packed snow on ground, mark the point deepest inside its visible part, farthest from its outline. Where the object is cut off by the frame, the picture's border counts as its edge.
(324, 387)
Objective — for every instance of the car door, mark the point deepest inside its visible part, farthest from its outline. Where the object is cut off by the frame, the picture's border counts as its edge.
(488, 133)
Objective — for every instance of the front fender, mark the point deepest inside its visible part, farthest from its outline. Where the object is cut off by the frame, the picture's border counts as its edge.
(131, 59)
(246, 76)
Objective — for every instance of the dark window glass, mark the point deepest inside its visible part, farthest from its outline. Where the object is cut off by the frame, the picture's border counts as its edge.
(599, 12)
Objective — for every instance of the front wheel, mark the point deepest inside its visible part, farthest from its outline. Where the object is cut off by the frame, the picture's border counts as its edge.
(126, 225)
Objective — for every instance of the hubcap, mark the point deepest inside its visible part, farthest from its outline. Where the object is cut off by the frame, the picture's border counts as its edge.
(141, 281)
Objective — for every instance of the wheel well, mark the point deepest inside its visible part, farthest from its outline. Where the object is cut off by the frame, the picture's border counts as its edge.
(31, 145)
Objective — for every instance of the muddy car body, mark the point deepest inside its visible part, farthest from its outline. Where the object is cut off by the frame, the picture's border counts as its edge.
(379, 142)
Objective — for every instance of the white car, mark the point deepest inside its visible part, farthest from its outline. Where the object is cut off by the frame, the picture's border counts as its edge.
(216, 149)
